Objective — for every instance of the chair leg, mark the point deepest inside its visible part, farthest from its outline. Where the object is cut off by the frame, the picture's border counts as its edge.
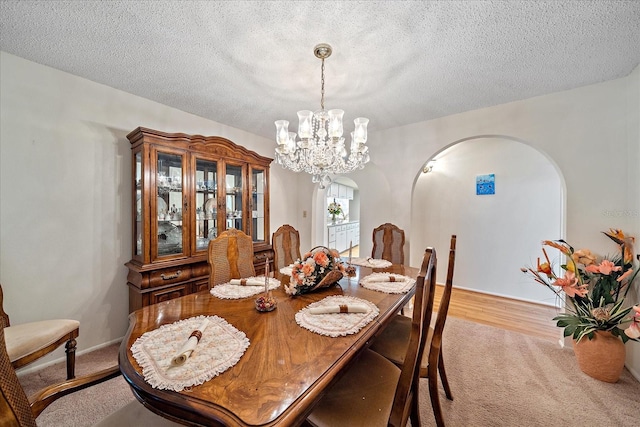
(433, 394)
(414, 415)
(443, 377)
(71, 358)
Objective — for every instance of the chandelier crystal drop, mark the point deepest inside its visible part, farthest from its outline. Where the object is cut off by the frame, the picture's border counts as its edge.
(321, 150)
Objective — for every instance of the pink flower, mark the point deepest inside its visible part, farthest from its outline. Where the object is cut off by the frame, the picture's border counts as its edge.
(633, 331)
(605, 267)
(569, 279)
(569, 284)
(636, 308)
(307, 269)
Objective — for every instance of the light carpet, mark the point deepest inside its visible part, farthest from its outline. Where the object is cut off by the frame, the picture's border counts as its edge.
(497, 377)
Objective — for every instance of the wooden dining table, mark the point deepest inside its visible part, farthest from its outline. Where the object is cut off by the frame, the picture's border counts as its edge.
(286, 368)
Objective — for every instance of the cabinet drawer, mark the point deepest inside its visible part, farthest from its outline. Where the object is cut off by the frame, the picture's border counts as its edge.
(167, 294)
(166, 276)
(332, 234)
(201, 285)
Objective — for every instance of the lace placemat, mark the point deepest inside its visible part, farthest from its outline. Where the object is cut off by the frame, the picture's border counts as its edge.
(287, 270)
(336, 324)
(388, 282)
(371, 262)
(220, 347)
(229, 291)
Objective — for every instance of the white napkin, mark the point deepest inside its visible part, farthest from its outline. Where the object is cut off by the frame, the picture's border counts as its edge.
(287, 270)
(189, 346)
(342, 308)
(385, 278)
(247, 282)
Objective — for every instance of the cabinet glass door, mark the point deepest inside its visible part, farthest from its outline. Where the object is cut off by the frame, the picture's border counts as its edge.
(206, 212)
(139, 215)
(257, 203)
(233, 184)
(169, 204)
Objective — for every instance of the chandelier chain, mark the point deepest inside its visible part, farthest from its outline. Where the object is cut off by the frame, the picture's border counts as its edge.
(322, 87)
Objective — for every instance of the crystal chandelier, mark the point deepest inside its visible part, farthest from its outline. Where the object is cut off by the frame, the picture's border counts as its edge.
(321, 150)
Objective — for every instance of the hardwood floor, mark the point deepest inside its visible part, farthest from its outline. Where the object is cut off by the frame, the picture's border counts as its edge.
(500, 312)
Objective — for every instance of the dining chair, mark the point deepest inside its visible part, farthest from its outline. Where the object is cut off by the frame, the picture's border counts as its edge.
(18, 410)
(375, 391)
(388, 243)
(230, 256)
(392, 342)
(27, 342)
(286, 246)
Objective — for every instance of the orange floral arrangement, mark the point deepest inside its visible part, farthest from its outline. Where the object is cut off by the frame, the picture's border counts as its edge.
(592, 288)
(318, 268)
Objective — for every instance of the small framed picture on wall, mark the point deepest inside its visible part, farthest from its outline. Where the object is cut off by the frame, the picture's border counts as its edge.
(485, 184)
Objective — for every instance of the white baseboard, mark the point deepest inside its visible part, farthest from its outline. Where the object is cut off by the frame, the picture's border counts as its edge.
(38, 366)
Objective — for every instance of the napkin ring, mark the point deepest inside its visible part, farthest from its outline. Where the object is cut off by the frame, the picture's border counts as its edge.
(392, 278)
(344, 308)
(197, 334)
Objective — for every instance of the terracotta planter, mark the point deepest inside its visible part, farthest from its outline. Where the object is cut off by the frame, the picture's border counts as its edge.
(601, 357)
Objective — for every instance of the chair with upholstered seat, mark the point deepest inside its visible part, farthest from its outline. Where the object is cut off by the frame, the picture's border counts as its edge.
(18, 410)
(230, 256)
(374, 391)
(388, 243)
(392, 342)
(286, 247)
(27, 342)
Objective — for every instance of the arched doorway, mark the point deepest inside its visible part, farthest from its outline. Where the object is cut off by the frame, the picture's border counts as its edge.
(497, 233)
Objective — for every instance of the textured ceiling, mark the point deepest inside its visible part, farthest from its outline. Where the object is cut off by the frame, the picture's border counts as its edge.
(248, 63)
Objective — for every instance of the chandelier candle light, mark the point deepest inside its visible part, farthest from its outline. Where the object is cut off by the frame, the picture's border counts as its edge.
(321, 150)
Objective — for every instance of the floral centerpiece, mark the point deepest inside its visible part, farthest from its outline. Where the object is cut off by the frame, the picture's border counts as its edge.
(318, 268)
(334, 209)
(593, 289)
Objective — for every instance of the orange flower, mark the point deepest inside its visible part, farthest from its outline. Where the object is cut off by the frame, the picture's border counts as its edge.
(321, 259)
(625, 275)
(559, 246)
(618, 236)
(584, 257)
(544, 268)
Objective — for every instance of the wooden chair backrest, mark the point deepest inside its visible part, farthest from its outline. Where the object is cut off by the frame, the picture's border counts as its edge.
(388, 243)
(230, 256)
(443, 308)
(14, 404)
(286, 246)
(3, 316)
(423, 308)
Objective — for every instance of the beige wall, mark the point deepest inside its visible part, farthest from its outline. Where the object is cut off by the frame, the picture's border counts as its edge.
(65, 197)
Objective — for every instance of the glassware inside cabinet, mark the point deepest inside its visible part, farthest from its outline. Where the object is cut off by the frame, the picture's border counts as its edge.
(233, 182)
(137, 225)
(169, 203)
(206, 213)
(258, 179)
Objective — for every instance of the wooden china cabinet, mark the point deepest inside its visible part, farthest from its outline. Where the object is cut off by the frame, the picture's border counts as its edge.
(187, 189)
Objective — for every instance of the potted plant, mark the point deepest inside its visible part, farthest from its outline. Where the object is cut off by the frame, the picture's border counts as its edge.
(593, 290)
(334, 209)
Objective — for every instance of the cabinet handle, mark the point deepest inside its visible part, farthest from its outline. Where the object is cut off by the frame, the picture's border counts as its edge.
(171, 276)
